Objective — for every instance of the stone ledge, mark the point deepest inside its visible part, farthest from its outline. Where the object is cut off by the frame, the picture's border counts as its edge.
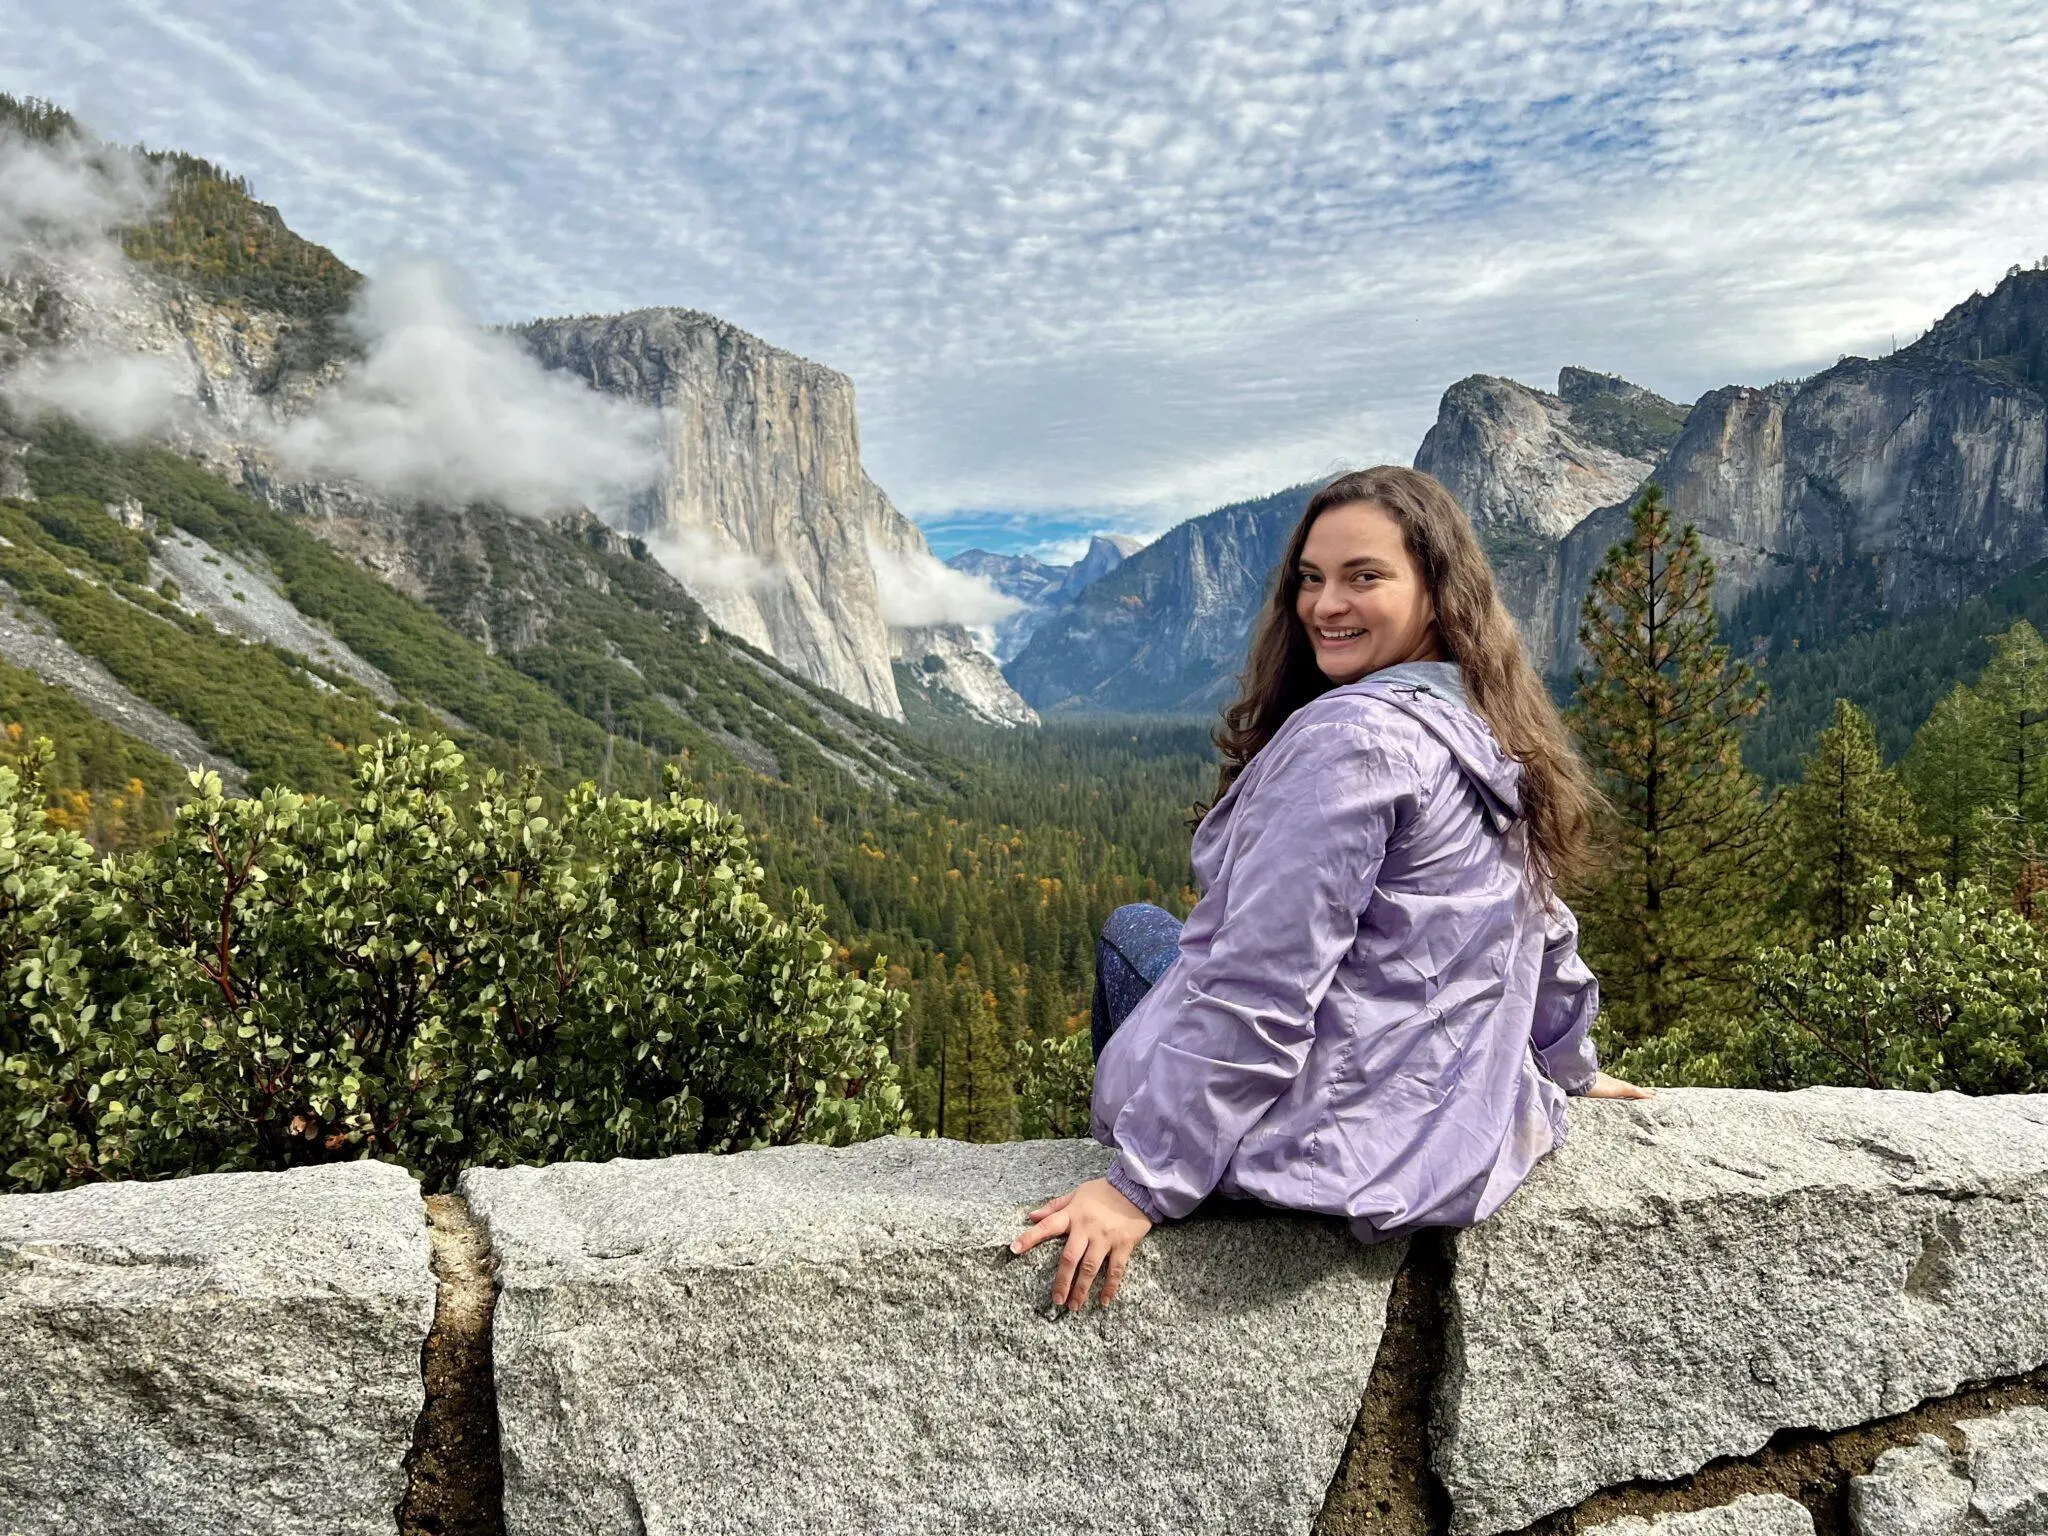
(229, 1353)
(1694, 1273)
(839, 1341)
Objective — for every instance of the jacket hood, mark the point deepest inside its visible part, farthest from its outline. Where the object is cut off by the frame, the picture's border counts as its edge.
(1433, 695)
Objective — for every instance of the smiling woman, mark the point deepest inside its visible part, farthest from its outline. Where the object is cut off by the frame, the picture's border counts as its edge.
(1377, 1007)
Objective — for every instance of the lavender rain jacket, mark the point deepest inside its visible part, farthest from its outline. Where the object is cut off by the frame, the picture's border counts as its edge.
(1373, 1013)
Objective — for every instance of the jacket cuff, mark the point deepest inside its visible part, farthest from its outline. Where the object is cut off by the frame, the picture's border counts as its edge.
(1121, 1181)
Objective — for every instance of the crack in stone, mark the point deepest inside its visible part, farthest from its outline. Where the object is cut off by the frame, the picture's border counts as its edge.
(1384, 1485)
(1810, 1465)
(455, 1485)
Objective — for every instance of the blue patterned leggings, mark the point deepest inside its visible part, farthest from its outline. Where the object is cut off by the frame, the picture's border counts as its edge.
(1138, 943)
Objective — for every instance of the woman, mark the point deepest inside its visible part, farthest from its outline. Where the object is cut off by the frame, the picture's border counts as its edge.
(1377, 1007)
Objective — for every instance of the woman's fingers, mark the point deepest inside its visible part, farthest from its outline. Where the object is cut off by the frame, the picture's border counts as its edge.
(1606, 1087)
(1071, 1255)
(1084, 1277)
(1052, 1226)
(1113, 1278)
(1056, 1203)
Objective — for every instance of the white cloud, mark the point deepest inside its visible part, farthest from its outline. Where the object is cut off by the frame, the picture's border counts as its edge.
(62, 202)
(1145, 257)
(124, 395)
(917, 589)
(705, 563)
(442, 410)
(64, 197)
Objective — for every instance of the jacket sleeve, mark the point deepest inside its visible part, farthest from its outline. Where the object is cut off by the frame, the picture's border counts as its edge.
(1567, 1001)
(1304, 851)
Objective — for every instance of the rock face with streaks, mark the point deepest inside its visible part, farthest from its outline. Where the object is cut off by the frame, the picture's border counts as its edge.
(763, 497)
(235, 1353)
(1693, 1273)
(838, 1341)
(763, 509)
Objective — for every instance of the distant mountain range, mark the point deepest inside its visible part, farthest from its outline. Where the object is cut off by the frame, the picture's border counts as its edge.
(1043, 589)
(1871, 494)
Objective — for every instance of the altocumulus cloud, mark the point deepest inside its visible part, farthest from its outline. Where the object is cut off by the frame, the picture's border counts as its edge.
(1149, 258)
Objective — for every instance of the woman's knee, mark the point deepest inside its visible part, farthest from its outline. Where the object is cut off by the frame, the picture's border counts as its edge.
(1131, 919)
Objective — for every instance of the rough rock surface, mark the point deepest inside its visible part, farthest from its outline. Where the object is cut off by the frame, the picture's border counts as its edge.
(819, 1340)
(1692, 1273)
(763, 490)
(943, 663)
(1754, 1514)
(229, 1353)
(1999, 1485)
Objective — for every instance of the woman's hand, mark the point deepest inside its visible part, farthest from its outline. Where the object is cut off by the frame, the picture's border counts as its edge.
(1102, 1229)
(1605, 1087)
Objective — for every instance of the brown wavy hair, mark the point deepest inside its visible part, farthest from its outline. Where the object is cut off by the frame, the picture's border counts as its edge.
(1473, 629)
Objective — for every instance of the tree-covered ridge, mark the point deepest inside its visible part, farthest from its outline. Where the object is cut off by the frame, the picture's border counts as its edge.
(1894, 673)
(210, 232)
(1639, 425)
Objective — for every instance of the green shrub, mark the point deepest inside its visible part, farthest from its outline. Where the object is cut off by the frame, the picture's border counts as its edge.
(423, 971)
(1945, 988)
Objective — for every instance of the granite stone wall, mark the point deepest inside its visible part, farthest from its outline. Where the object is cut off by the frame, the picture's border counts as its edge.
(1730, 1314)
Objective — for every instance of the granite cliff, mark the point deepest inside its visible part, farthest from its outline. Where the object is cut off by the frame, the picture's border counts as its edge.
(763, 508)
(1873, 491)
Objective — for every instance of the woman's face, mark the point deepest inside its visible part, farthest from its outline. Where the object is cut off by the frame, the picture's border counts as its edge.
(1363, 601)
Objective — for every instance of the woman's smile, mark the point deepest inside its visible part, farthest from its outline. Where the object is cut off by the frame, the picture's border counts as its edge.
(1360, 596)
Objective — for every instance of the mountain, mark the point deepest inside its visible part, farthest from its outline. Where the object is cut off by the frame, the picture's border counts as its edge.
(1528, 467)
(1166, 629)
(1872, 492)
(166, 608)
(761, 504)
(1042, 588)
(1872, 495)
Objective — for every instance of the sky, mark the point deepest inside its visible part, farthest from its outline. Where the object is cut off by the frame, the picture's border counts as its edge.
(1103, 266)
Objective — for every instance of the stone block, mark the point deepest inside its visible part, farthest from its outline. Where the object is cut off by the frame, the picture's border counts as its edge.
(2006, 1459)
(838, 1341)
(234, 1353)
(1997, 1487)
(1913, 1490)
(1754, 1514)
(1691, 1273)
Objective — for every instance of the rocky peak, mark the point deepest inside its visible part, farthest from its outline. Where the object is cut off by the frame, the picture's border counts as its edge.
(1518, 463)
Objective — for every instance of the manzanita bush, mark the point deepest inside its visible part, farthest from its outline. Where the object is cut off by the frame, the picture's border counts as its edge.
(1944, 987)
(430, 971)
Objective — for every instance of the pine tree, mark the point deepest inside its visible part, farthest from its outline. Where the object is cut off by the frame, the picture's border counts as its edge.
(1849, 831)
(2013, 694)
(979, 1081)
(1675, 911)
(1952, 778)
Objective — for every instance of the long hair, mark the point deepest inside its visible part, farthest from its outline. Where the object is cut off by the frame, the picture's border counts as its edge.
(1473, 628)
